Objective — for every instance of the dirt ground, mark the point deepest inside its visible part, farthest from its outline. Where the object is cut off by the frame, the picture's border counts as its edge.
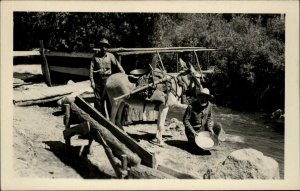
(39, 148)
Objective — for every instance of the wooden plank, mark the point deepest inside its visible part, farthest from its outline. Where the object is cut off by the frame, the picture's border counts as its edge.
(174, 173)
(26, 53)
(69, 54)
(70, 70)
(45, 67)
(147, 49)
(148, 159)
(164, 51)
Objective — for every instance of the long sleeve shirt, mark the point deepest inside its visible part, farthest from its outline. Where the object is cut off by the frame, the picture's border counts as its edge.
(198, 118)
(104, 66)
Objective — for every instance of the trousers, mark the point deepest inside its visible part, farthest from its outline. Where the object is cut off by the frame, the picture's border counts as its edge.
(101, 95)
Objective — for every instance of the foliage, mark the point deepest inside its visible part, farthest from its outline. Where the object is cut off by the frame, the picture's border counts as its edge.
(251, 69)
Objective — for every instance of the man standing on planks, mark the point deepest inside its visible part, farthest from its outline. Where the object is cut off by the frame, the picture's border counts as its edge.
(103, 64)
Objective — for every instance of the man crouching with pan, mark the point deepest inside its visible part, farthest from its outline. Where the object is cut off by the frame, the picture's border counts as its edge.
(198, 117)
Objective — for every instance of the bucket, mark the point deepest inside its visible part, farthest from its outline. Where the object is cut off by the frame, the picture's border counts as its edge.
(206, 141)
(139, 72)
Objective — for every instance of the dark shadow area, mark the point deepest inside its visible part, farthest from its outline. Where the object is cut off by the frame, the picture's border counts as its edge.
(49, 104)
(141, 122)
(28, 60)
(189, 148)
(27, 77)
(145, 136)
(82, 165)
(58, 113)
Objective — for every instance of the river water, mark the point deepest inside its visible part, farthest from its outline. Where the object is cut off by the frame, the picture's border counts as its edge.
(249, 130)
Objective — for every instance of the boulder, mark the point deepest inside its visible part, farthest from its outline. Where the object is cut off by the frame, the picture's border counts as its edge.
(176, 125)
(245, 164)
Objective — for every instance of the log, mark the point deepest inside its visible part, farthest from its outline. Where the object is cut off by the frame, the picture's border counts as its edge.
(109, 154)
(118, 148)
(40, 101)
(80, 129)
(174, 173)
(67, 123)
(144, 172)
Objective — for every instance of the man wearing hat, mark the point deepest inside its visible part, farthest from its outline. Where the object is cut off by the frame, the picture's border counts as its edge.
(103, 64)
(198, 117)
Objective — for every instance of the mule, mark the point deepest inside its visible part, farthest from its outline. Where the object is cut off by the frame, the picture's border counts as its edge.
(119, 84)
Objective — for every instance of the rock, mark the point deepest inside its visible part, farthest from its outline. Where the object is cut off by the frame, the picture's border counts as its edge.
(245, 164)
(175, 124)
(65, 100)
(70, 82)
(277, 114)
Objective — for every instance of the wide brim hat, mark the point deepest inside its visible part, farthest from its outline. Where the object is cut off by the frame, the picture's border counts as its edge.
(204, 92)
(104, 42)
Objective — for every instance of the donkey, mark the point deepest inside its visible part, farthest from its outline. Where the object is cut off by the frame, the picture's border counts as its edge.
(119, 84)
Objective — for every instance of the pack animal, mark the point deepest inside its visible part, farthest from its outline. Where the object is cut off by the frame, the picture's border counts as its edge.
(119, 84)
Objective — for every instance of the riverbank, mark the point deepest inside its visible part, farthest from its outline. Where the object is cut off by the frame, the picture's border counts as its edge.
(39, 148)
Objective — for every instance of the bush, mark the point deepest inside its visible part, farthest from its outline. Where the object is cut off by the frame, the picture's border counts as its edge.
(251, 69)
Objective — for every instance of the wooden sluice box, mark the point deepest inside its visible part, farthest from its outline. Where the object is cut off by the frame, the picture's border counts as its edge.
(127, 157)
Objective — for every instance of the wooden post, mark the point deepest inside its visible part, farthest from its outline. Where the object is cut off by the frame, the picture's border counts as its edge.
(199, 65)
(161, 62)
(120, 59)
(124, 162)
(67, 123)
(45, 67)
(177, 68)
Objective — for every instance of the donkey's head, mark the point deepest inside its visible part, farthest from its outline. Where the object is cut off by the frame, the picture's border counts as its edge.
(189, 80)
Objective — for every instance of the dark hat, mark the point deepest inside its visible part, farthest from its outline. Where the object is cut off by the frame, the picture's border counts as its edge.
(104, 41)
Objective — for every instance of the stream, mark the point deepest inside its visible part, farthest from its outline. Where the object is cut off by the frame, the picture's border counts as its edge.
(249, 130)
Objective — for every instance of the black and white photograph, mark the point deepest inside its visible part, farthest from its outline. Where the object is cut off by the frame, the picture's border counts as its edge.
(98, 92)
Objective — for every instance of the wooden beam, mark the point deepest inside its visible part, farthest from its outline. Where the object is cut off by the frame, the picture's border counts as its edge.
(174, 173)
(164, 51)
(69, 54)
(148, 159)
(70, 70)
(147, 49)
(26, 53)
